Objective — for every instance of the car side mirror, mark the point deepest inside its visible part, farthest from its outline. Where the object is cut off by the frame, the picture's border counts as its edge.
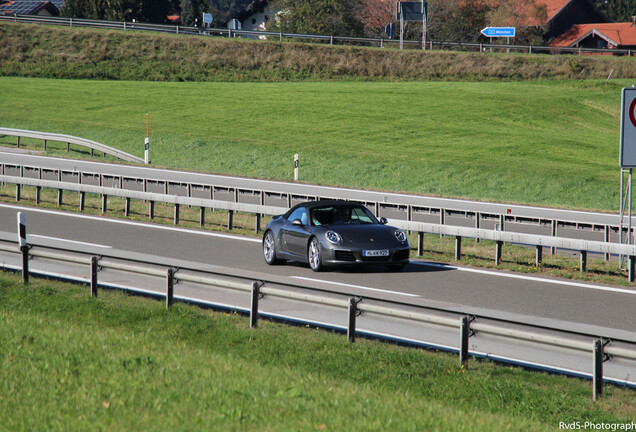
(384, 221)
(297, 222)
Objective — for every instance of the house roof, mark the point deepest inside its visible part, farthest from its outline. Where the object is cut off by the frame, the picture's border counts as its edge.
(618, 34)
(28, 7)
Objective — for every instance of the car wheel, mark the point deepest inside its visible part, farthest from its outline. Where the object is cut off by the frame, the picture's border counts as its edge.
(313, 255)
(269, 249)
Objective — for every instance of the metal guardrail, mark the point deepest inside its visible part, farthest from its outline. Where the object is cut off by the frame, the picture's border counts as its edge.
(600, 348)
(499, 237)
(69, 139)
(381, 42)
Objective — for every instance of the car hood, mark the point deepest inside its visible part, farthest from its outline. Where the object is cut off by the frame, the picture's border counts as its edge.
(366, 236)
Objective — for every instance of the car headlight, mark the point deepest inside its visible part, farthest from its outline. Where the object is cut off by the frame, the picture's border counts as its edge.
(399, 234)
(333, 237)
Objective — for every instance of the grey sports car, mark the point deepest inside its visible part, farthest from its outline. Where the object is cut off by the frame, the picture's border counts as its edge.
(331, 233)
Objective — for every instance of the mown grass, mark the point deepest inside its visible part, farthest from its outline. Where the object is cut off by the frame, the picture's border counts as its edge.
(77, 53)
(72, 362)
(546, 143)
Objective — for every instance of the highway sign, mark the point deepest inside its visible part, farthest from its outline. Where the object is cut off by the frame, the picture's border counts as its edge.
(499, 31)
(628, 128)
(234, 24)
(411, 11)
(390, 30)
(207, 18)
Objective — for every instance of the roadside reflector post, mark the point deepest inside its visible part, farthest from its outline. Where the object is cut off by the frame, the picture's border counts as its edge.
(230, 219)
(94, 270)
(104, 203)
(631, 262)
(38, 192)
(60, 196)
(176, 214)
(607, 239)
(24, 247)
(169, 287)
(256, 296)
(353, 314)
(478, 223)
(296, 166)
(202, 216)
(420, 243)
(82, 200)
(151, 209)
(458, 248)
(583, 261)
(554, 234)
(127, 207)
(539, 256)
(498, 252)
(147, 142)
(17, 192)
(257, 228)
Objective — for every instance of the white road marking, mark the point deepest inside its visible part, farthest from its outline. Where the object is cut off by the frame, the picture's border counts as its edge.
(354, 286)
(125, 222)
(528, 278)
(70, 241)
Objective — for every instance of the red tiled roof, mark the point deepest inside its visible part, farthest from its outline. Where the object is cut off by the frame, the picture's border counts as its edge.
(620, 34)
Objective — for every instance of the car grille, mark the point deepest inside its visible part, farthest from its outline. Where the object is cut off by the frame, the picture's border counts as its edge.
(344, 255)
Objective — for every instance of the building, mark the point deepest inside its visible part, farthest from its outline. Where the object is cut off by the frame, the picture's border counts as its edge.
(603, 35)
(563, 14)
(30, 7)
(256, 16)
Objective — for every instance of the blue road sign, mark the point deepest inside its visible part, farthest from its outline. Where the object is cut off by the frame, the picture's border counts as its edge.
(499, 31)
(390, 30)
(207, 18)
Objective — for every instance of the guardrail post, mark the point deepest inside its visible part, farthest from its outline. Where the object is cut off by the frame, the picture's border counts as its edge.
(583, 261)
(599, 358)
(176, 214)
(104, 203)
(464, 334)
(630, 268)
(353, 314)
(25, 263)
(151, 209)
(539, 256)
(256, 296)
(169, 287)
(498, 252)
(127, 207)
(202, 216)
(17, 192)
(554, 234)
(458, 248)
(420, 243)
(94, 270)
(230, 219)
(82, 200)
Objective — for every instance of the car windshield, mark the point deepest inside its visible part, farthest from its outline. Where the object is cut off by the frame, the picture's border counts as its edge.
(341, 215)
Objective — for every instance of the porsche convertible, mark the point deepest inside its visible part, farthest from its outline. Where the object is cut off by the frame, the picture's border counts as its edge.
(334, 233)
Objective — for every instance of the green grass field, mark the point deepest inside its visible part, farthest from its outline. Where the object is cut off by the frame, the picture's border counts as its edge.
(71, 362)
(547, 143)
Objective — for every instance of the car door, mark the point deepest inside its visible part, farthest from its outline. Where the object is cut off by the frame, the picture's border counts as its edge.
(295, 236)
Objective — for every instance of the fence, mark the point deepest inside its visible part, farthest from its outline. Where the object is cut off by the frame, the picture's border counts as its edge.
(380, 42)
(463, 326)
(583, 247)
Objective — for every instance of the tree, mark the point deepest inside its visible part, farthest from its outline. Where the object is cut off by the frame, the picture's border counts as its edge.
(326, 17)
(526, 15)
(374, 15)
(617, 10)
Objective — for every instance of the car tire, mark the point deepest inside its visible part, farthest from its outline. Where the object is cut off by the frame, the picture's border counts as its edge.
(269, 249)
(314, 257)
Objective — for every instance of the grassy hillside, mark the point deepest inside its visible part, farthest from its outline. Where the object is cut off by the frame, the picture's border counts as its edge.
(59, 52)
(549, 143)
(70, 362)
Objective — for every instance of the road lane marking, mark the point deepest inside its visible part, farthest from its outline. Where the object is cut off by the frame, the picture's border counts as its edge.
(70, 241)
(354, 286)
(125, 222)
(528, 278)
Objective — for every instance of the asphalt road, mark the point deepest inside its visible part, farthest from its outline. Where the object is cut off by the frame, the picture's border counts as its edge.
(537, 300)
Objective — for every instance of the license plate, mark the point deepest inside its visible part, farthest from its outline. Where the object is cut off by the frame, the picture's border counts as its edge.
(376, 253)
